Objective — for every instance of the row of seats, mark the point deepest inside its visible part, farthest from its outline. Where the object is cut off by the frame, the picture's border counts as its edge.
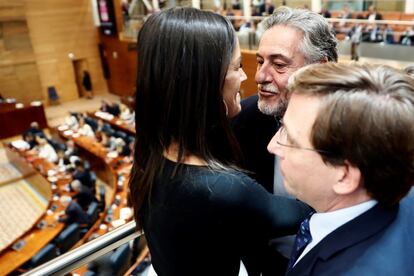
(66, 239)
(114, 263)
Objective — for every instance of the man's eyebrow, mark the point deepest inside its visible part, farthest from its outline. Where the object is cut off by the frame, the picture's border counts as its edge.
(277, 56)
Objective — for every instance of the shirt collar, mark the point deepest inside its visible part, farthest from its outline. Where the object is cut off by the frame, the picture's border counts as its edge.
(322, 224)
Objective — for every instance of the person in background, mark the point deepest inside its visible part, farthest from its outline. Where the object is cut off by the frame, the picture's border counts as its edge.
(83, 194)
(355, 36)
(71, 149)
(30, 138)
(407, 37)
(341, 26)
(355, 185)
(45, 150)
(102, 126)
(74, 213)
(373, 14)
(325, 12)
(72, 120)
(35, 130)
(388, 34)
(126, 113)
(235, 4)
(268, 8)
(84, 128)
(201, 215)
(83, 175)
(87, 84)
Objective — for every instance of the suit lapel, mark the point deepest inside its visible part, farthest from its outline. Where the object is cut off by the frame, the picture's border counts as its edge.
(359, 229)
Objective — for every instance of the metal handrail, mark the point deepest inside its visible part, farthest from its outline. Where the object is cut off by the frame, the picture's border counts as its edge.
(88, 251)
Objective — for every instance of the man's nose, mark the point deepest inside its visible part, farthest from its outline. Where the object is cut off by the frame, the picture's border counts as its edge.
(274, 148)
(263, 74)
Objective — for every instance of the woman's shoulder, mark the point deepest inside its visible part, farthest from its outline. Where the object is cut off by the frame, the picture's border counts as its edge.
(225, 183)
(224, 176)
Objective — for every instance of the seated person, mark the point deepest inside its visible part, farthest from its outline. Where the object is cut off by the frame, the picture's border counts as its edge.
(83, 194)
(30, 138)
(373, 34)
(129, 156)
(85, 129)
(72, 120)
(83, 175)
(71, 150)
(74, 213)
(126, 113)
(34, 129)
(388, 34)
(114, 109)
(106, 140)
(45, 150)
(63, 161)
(407, 38)
(373, 14)
(102, 126)
(111, 108)
(121, 147)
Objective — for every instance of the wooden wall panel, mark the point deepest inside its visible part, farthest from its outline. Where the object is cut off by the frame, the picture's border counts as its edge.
(58, 28)
(19, 76)
(249, 86)
(36, 37)
(12, 10)
(122, 65)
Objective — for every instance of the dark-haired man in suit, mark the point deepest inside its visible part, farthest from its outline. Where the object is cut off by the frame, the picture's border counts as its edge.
(346, 149)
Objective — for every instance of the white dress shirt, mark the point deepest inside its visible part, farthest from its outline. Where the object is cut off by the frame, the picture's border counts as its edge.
(322, 224)
(47, 152)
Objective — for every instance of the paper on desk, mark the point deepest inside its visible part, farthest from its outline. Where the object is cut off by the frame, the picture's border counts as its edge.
(125, 213)
(118, 222)
(21, 145)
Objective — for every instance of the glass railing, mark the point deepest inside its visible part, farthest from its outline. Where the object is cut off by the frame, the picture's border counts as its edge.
(88, 252)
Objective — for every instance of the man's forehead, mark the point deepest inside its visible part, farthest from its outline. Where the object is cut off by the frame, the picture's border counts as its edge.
(301, 113)
(280, 39)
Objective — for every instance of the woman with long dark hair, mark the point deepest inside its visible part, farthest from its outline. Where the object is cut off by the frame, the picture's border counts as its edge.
(200, 214)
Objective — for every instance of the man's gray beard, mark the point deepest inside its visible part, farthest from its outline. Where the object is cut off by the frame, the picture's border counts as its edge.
(277, 110)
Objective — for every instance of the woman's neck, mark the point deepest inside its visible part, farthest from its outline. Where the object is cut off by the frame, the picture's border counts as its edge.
(171, 153)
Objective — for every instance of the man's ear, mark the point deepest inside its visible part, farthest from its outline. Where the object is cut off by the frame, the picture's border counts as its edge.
(349, 179)
(324, 60)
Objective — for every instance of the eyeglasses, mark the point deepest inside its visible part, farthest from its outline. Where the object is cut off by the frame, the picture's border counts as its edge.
(282, 139)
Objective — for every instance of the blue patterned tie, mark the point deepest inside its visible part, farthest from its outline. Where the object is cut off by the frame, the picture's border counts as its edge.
(303, 238)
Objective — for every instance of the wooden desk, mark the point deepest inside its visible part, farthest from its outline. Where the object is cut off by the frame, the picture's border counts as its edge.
(35, 238)
(116, 123)
(15, 121)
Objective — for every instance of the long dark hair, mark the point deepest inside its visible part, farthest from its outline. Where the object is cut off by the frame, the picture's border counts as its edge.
(183, 56)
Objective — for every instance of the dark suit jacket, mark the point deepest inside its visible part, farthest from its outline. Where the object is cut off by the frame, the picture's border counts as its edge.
(378, 242)
(254, 130)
